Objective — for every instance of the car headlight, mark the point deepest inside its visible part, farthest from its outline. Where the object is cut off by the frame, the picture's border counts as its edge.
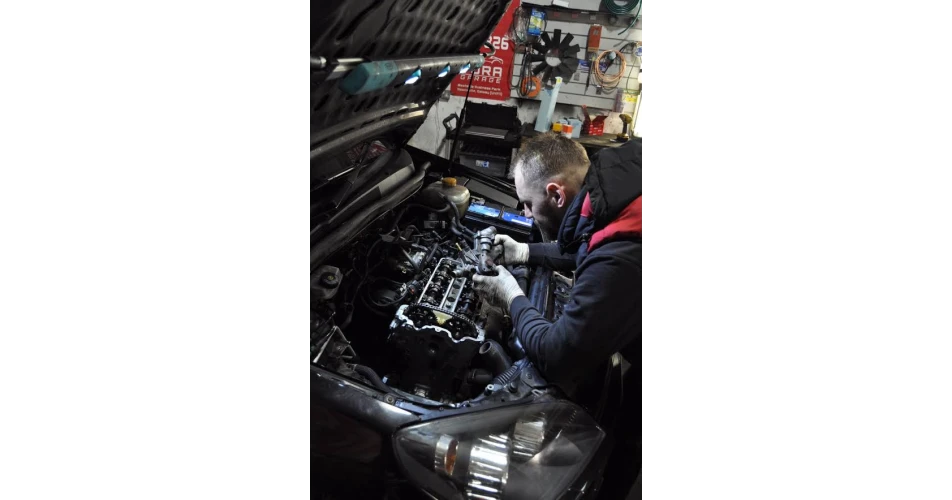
(528, 451)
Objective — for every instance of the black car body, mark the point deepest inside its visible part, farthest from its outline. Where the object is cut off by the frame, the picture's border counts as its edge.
(409, 398)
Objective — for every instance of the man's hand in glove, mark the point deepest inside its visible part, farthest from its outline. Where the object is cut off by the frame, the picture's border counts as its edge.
(508, 251)
(499, 290)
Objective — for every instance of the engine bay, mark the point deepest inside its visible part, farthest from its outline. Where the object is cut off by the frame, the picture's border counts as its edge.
(435, 337)
(396, 309)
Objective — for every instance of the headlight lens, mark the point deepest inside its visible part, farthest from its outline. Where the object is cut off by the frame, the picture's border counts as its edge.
(530, 451)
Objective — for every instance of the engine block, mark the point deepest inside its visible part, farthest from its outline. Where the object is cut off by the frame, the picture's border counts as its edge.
(436, 338)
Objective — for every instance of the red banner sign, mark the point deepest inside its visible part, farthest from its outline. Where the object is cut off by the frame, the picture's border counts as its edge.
(492, 80)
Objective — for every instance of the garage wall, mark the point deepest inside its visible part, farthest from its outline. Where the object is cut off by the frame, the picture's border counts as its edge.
(431, 134)
(573, 91)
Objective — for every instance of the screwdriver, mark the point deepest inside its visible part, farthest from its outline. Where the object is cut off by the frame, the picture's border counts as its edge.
(594, 39)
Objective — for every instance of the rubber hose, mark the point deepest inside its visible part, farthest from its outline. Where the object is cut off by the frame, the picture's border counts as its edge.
(479, 377)
(467, 233)
(515, 347)
(460, 230)
(497, 359)
(453, 208)
(464, 232)
(623, 8)
(369, 374)
(429, 256)
(462, 238)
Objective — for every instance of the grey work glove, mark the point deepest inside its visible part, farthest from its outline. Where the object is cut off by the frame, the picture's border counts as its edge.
(508, 251)
(498, 290)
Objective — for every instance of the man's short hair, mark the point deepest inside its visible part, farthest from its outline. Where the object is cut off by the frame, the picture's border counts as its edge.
(549, 155)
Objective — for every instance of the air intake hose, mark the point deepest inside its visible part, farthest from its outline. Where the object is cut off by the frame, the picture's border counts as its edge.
(496, 359)
(479, 377)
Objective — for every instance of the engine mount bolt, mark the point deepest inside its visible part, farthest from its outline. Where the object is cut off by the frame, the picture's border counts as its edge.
(512, 387)
(489, 389)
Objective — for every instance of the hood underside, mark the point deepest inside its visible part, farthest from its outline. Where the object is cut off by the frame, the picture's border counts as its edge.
(377, 66)
(405, 38)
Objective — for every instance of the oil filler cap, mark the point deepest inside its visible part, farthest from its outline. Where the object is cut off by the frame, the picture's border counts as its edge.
(329, 280)
(324, 283)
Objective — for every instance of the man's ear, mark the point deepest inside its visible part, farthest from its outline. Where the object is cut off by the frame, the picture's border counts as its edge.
(556, 192)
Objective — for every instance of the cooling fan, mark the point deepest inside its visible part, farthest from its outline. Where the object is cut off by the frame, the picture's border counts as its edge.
(554, 57)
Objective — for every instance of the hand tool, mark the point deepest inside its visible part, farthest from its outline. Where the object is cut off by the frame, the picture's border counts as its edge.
(594, 40)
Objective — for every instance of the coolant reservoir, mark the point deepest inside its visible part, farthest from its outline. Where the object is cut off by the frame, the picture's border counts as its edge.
(459, 195)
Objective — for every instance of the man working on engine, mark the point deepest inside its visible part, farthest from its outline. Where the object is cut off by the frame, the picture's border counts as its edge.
(595, 214)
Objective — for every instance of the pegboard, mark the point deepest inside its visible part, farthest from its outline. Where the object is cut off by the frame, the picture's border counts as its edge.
(573, 91)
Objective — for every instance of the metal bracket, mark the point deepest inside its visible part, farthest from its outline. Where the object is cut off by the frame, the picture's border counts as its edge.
(446, 121)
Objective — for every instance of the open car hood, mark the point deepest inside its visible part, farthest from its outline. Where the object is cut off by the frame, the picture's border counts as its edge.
(364, 51)
(377, 66)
